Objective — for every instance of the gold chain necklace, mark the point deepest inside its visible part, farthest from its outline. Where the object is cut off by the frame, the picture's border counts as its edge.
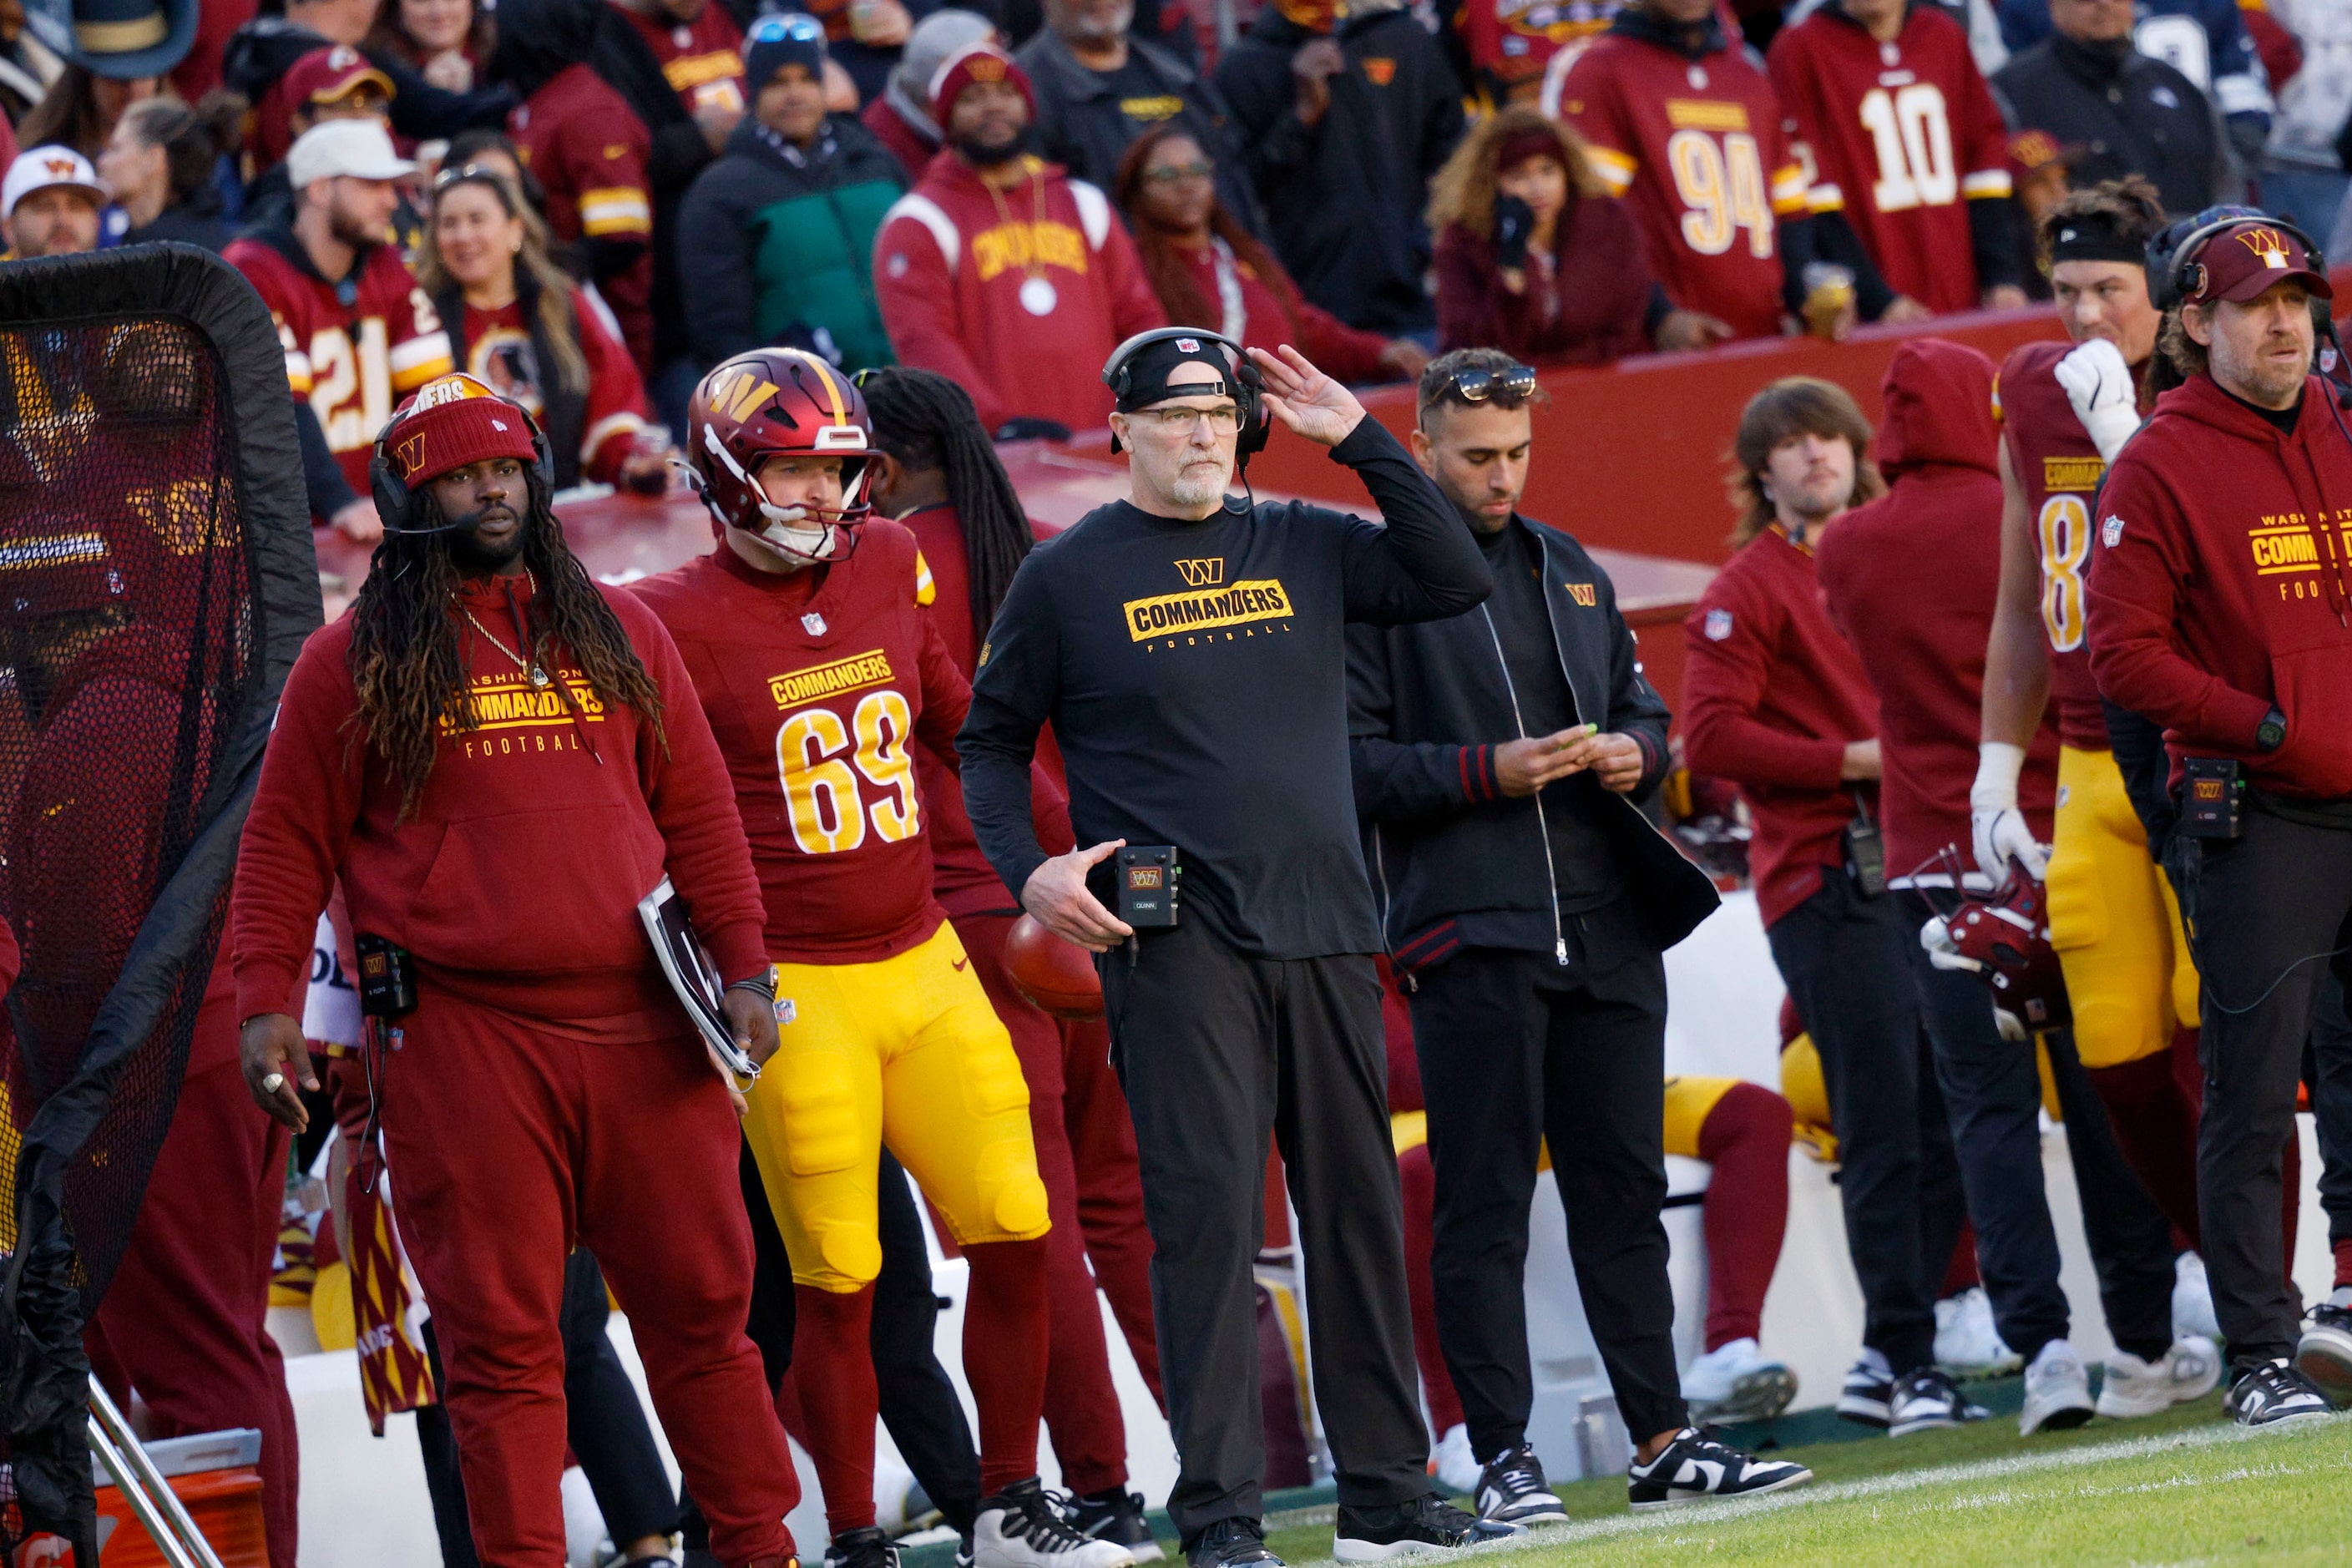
(533, 672)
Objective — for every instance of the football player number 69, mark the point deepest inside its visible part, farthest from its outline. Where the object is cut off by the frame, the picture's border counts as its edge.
(823, 795)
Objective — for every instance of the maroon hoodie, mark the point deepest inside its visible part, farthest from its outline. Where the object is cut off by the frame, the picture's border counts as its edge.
(1911, 579)
(1770, 697)
(2221, 585)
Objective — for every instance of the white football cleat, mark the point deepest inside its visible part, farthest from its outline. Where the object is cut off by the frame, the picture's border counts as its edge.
(2191, 1369)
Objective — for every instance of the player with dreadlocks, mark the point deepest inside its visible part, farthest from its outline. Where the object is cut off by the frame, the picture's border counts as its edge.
(499, 758)
(808, 640)
(938, 475)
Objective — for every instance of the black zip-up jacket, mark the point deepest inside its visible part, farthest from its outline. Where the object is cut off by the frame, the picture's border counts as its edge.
(1427, 704)
(2129, 113)
(1343, 198)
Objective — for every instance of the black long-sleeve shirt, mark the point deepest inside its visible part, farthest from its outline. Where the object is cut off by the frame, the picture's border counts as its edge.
(1195, 675)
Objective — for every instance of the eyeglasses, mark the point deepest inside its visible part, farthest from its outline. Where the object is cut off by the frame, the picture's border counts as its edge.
(1224, 419)
(1477, 385)
(1175, 174)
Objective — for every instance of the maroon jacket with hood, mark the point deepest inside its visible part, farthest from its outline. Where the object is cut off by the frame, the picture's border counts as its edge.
(2221, 584)
(1911, 579)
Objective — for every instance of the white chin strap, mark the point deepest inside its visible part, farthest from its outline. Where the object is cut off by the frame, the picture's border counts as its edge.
(790, 536)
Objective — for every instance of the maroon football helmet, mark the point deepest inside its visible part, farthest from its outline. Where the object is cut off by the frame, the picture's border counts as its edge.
(2003, 937)
(773, 402)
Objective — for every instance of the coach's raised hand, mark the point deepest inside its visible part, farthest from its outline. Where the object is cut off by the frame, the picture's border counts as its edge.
(1307, 402)
(1056, 894)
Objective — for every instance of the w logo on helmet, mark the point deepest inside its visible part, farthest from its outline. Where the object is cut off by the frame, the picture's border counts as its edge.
(2267, 243)
(1202, 573)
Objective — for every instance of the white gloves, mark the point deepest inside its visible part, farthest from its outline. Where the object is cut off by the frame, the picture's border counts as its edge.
(2099, 384)
(1996, 825)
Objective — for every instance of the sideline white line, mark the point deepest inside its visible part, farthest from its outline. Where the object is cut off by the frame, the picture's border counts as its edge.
(1693, 1515)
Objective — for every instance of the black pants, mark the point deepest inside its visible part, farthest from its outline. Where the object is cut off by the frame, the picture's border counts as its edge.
(1514, 1049)
(1992, 1093)
(605, 1422)
(1217, 1049)
(2329, 1074)
(2266, 904)
(919, 1400)
(1847, 961)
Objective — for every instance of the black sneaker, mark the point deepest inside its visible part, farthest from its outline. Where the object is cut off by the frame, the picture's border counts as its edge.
(2271, 1391)
(1231, 1543)
(963, 1551)
(1867, 1394)
(1694, 1467)
(2324, 1353)
(1924, 1400)
(1428, 1526)
(1512, 1490)
(868, 1548)
(1024, 1527)
(1116, 1515)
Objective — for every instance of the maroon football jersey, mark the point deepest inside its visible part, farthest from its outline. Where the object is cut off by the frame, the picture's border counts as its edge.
(815, 699)
(1901, 136)
(2059, 465)
(1695, 149)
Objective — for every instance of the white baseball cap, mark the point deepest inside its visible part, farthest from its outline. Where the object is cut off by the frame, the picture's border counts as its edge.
(356, 148)
(43, 167)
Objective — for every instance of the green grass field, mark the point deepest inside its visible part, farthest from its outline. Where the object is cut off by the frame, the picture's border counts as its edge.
(2185, 1487)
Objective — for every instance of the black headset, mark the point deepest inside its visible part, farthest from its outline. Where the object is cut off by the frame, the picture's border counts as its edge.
(1249, 386)
(393, 497)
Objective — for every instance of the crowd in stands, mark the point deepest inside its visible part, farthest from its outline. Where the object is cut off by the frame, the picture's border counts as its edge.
(1002, 193)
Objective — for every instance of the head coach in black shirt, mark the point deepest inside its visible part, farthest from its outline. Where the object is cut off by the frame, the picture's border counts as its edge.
(1189, 652)
(1496, 754)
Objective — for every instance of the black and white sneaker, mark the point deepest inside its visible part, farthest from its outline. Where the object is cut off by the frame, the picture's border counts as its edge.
(1512, 1490)
(1428, 1526)
(868, 1548)
(1020, 1527)
(1868, 1392)
(1231, 1543)
(2324, 1353)
(2271, 1391)
(1694, 1467)
(1116, 1515)
(1924, 1400)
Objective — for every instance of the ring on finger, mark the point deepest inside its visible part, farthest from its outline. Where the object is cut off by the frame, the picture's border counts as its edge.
(273, 1083)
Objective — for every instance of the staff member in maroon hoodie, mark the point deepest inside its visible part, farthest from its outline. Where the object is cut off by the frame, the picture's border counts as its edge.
(2221, 607)
(1912, 579)
(1000, 271)
(1776, 701)
(499, 758)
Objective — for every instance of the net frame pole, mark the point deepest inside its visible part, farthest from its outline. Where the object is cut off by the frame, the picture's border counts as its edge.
(151, 1497)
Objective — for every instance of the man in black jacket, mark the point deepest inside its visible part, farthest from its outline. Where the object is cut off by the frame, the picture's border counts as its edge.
(1498, 755)
(1343, 130)
(1100, 87)
(2087, 86)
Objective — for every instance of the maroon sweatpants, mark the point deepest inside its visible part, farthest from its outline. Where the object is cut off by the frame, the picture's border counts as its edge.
(1082, 1411)
(507, 1145)
(183, 1321)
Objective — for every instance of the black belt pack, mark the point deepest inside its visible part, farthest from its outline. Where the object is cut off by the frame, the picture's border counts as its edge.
(1146, 880)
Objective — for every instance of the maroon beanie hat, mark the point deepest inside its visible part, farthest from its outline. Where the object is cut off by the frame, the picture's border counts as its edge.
(1534, 142)
(981, 62)
(453, 421)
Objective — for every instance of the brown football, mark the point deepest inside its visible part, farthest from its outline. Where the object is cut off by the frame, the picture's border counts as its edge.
(1056, 974)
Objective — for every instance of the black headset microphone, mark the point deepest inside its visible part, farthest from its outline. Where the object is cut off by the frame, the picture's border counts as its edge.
(1246, 385)
(394, 498)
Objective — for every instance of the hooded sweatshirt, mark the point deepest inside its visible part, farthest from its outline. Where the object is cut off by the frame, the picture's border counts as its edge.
(1911, 579)
(514, 885)
(2221, 585)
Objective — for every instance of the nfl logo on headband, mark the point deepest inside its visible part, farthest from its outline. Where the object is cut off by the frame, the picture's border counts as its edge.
(1189, 345)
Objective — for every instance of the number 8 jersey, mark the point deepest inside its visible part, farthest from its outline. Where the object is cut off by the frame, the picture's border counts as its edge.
(816, 683)
(2058, 467)
(1696, 148)
(1903, 137)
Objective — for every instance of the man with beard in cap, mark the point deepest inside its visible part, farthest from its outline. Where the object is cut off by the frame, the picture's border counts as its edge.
(1189, 655)
(900, 114)
(1000, 271)
(499, 758)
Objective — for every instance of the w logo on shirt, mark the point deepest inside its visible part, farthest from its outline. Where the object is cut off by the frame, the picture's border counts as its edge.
(1583, 594)
(1202, 573)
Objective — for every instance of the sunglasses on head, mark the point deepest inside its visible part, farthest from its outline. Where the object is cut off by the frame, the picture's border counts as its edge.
(480, 174)
(1170, 173)
(1477, 385)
